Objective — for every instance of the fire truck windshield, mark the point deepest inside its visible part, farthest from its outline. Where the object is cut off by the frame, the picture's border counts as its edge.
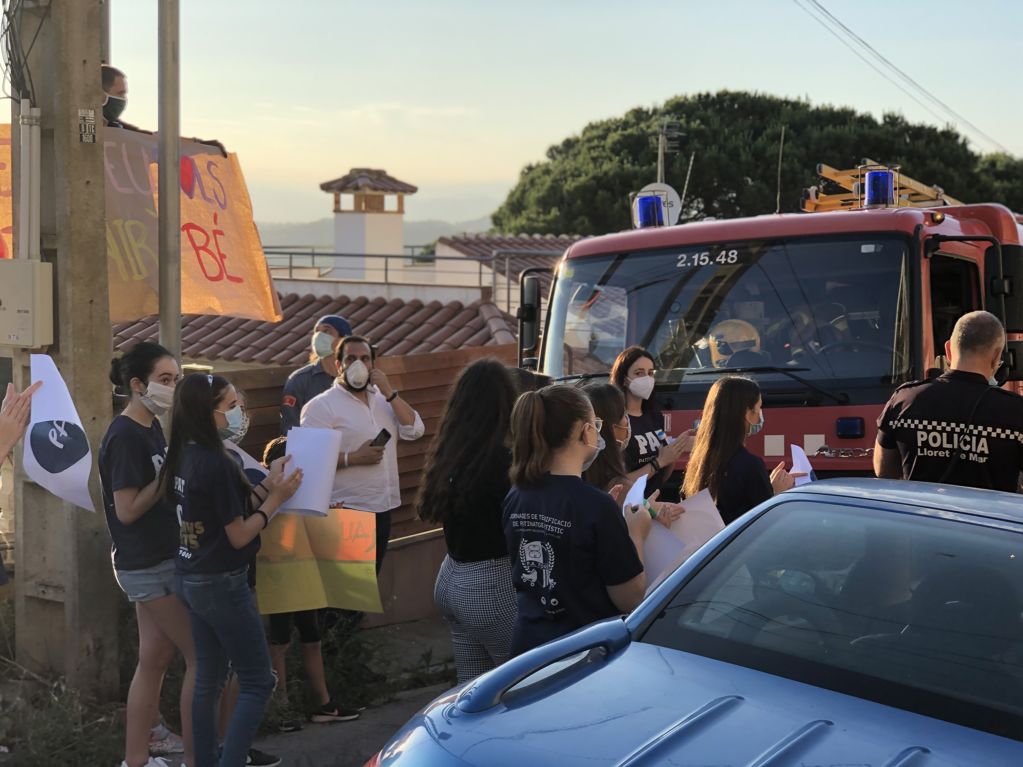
(835, 309)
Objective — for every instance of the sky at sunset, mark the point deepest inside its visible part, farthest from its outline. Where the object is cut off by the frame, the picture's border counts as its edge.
(457, 96)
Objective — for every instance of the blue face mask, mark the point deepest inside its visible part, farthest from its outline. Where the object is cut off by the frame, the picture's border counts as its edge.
(237, 424)
(755, 428)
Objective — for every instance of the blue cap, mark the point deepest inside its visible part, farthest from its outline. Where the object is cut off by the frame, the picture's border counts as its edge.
(340, 324)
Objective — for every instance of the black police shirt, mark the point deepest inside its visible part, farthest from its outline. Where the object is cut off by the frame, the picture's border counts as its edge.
(746, 484)
(928, 421)
(568, 542)
(131, 456)
(644, 445)
(210, 494)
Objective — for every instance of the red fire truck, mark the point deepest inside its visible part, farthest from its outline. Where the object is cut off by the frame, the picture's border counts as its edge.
(829, 309)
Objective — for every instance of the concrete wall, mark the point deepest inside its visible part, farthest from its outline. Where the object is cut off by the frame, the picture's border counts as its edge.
(370, 233)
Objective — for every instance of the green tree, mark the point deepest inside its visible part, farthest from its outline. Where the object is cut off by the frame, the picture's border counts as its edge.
(584, 185)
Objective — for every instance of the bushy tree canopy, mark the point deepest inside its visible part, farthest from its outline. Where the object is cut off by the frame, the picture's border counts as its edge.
(583, 187)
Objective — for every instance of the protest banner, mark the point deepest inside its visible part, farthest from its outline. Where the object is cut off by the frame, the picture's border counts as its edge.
(223, 269)
(6, 194)
(312, 562)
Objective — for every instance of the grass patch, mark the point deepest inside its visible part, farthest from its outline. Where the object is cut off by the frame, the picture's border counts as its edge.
(44, 723)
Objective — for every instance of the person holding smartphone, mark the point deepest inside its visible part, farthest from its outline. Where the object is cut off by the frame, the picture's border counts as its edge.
(368, 411)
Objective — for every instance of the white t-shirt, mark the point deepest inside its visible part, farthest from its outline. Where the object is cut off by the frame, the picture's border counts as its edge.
(372, 487)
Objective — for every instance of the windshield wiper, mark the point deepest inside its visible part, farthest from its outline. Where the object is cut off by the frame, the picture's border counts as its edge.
(840, 397)
(582, 376)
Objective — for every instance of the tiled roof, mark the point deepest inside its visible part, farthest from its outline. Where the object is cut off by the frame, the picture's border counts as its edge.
(396, 327)
(483, 246)
(368, 180)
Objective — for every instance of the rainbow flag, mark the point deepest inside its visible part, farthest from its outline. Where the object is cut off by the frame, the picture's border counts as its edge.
(307, 563)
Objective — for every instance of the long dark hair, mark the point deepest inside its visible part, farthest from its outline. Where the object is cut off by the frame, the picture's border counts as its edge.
(138, 362)
(620, 370)
(608, 405)
(542, 422)
(722, 431)
(195, 399)
(471, 444)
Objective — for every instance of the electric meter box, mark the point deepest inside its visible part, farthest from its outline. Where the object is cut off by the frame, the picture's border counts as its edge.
(26, 303)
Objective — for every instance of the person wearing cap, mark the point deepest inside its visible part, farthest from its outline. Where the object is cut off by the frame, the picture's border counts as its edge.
(318, 376)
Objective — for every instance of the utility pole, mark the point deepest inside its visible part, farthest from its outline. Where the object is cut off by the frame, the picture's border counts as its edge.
(170, 178)
(65, 598)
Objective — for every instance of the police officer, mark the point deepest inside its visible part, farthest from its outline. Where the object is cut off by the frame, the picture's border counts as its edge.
(958, 428)
(318, 376)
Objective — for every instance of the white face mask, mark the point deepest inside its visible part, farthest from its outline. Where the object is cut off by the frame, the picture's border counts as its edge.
(323, 344)
(357, 375)
(642, 387)
(596, 451)
(157, 398)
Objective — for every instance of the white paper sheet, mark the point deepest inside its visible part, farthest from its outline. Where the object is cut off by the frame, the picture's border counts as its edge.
(315, 451)
(801, 463)
(699, 524)
(57, 454)
(635, 495)
(661, 551)
(254, 471)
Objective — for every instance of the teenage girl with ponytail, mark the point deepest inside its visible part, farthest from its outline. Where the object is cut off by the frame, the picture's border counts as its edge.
(575, 558)
(144, 530)
(221, 516)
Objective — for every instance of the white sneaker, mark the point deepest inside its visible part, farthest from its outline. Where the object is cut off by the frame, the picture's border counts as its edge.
(154, 761)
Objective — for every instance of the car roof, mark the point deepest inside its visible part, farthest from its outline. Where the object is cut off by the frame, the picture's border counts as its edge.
(924, 498)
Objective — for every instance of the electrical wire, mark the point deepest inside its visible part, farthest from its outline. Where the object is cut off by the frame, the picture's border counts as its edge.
(865, 60)
(913, 83)
(849, 39)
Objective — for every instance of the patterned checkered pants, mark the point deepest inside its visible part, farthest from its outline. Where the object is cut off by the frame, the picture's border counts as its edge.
(477, 600)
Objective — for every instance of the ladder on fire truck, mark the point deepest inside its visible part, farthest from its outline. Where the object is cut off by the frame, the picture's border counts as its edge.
(908, 192)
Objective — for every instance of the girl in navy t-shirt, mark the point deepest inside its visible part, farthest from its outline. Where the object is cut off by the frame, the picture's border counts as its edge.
(720, 462)
(575, 558)
(219, 536)
(144, 530)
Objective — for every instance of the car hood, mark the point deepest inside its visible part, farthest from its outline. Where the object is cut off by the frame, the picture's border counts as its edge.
(646, 705)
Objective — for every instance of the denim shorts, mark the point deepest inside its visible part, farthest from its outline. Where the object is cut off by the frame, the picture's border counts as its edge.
(146, 585)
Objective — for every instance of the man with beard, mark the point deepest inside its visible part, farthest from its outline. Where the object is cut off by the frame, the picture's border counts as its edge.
(368, 412)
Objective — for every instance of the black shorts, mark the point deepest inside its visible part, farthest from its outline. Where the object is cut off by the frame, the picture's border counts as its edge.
(307, 622)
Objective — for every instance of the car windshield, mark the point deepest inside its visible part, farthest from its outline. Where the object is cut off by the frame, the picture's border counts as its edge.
(834, 309)
(921, 613)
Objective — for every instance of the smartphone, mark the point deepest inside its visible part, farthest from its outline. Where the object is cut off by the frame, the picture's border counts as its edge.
(381, 439)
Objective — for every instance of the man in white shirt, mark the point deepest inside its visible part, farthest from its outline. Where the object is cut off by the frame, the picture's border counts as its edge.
(367, 410)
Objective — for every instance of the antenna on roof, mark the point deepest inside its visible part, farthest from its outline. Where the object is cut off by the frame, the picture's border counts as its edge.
(685, 186)
(667, 141)
(781, 152)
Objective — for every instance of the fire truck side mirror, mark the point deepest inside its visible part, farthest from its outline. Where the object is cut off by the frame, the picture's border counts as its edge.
(1009, 287)
(529, 314)
(1013, 361)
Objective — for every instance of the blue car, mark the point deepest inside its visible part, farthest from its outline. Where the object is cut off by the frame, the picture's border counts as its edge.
(848, 622)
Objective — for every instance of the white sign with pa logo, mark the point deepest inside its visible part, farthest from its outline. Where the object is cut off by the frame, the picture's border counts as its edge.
(57, 455)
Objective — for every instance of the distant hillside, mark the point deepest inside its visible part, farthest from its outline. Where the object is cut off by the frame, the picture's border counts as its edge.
(321, 233)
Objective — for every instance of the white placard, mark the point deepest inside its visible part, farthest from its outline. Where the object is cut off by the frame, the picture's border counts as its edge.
(57, 455)
(315, 452)
(701, 522)
(635, 495)
(800, 463)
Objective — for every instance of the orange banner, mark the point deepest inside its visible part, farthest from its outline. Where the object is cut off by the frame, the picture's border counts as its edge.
(308, 563)
(6, 194)
(223, 269)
